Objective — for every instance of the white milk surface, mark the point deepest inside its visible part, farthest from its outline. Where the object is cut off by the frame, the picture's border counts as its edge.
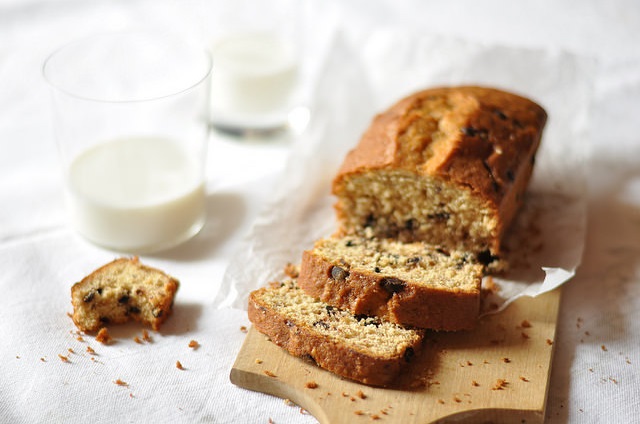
(136, 194)
(253, 74)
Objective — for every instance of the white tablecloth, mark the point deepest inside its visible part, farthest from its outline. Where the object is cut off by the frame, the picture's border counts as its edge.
(595, 374)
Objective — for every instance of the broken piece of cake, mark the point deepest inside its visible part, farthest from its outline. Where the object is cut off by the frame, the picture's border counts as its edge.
(121, 291)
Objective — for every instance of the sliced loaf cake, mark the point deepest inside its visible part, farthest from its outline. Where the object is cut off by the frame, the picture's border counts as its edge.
(406, 283)
(360, 348)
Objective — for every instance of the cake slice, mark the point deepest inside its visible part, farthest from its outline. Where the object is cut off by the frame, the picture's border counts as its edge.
(123, 290)
(406, 283)
(447, 166)
(360, 348)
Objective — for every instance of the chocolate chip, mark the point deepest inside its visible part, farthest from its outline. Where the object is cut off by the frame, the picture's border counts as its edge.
(330, 310)
(158, 313)
(89, 297)
(133, 310)
(321, 324)
(413, 260)
(289, 323)
(308, 357)
(443, 251)
(370, 221)
(392, 285)
(377, 269)
(349, 243)
(409, 353)
(339, 274)
(517, 124)
(439, 216)
(99, 290)
(411, 224)
(485, 257)
(123, 299)
(500, 114)
(474, 132)
(510, 175)
(104, 320)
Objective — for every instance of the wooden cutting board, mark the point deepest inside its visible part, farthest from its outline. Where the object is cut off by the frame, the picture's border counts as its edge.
(497, 373)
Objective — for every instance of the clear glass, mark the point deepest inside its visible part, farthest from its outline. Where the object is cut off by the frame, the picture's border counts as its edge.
(130, 117)
(256, 47)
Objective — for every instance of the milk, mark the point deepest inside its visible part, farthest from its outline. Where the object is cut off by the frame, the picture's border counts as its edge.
(253, 78)
(136, 194)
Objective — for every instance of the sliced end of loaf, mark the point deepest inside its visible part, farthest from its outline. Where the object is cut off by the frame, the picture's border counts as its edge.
(364, 349)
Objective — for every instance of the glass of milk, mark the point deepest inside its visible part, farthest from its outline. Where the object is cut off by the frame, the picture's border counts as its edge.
(130, 115)
(256, 48)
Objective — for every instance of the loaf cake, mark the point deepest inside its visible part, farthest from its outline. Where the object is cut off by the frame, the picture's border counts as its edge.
(447, 166)
(123, 290)
(406, 283)
(360, 348)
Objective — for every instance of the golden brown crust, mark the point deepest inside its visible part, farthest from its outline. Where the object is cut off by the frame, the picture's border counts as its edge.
(303, 341)
(480, 139)
(416, 305)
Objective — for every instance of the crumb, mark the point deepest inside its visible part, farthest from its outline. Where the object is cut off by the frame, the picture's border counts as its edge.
(474, 383)
(358, 412)
(525, 379)
(79, 338)
(525, 335)
(586, 333)
(441, 402)
(506, 360)
(69, 314)
(63, 358)
(90, 350)
(17, 356)
(146, 337)
(384, 412)
(193, 344)
(121, 383)
(269, 374)
(352, 399)
(525, 324)
(131, 395)
(103, 336)
(469, 363)
(345, 394)
(311, 385)
(604, 348)
(289, 402)
(291, 271)
(549, 342)
(43, 360)
(258, 361)
(457, 399)
(613, 380)
(70, 350)
(375, 417)
(361, 395)
(590, 369)
(627, 360)
(500, 384)
(271, 421)
(303, 411)
(137, 340)
(179, 365)
(243, 328)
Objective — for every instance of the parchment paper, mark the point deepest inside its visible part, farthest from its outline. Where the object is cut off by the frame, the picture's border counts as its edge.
(546, 242)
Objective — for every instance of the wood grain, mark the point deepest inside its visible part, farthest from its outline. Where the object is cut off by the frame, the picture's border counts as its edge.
(497, 373)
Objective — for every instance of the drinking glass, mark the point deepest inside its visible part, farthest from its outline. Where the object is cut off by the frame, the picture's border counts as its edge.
(130, 118)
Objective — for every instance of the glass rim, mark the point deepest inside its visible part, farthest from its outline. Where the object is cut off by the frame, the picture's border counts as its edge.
(53, 84)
